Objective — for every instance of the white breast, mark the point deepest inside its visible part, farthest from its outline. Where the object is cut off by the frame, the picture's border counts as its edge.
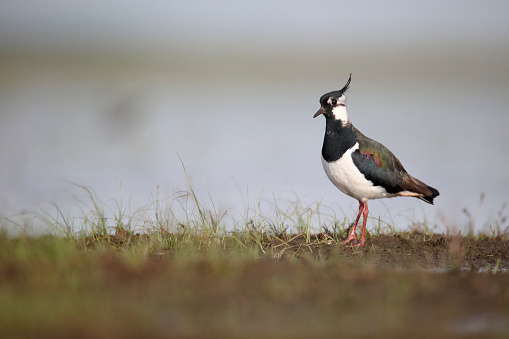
(348, 179)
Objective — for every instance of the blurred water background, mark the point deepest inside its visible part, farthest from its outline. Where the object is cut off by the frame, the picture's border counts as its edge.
(104, 95)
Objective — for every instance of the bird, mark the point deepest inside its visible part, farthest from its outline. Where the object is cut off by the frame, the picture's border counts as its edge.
(360, 167)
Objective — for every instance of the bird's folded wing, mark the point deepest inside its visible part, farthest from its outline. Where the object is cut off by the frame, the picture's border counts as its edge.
(378, 164)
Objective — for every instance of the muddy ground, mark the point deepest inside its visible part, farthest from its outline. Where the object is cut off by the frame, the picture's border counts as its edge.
(408, 285)
(401, 251)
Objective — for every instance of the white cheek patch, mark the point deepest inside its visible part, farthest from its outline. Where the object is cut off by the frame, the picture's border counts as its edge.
(339, 113)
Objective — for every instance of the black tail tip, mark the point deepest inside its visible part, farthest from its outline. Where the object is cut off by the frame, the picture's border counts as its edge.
(433, 195)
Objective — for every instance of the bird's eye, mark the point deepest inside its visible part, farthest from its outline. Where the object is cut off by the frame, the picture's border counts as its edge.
(334, 102)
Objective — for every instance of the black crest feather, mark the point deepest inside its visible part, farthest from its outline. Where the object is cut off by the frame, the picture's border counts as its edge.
(345, 88)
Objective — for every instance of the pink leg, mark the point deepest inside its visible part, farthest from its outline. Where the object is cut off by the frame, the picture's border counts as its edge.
(352, 233)
(366, 211)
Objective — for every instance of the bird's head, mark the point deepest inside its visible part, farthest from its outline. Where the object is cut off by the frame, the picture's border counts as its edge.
(333, 104)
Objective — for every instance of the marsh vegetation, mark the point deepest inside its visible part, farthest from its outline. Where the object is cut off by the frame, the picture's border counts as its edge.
(113, 273)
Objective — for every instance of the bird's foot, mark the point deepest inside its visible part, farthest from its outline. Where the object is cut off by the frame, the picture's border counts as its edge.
(350, 238)
(359, 243)
(355, 243)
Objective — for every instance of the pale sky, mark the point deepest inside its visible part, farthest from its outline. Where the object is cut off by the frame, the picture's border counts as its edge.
(159, 25)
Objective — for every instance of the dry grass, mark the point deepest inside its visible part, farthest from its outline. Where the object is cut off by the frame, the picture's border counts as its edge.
(396, 286)
(108, 273)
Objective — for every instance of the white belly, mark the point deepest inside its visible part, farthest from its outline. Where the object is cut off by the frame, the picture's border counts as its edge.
(348, 179)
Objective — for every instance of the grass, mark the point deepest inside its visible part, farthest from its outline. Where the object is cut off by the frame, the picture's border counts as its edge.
(172, 269)
(173, 223)
(205, 287)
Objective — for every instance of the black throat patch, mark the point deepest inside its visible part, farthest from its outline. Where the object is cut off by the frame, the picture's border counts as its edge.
(338, 139)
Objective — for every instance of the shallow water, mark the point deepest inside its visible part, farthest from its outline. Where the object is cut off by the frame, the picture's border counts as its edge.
(235, 99)
(243, 140)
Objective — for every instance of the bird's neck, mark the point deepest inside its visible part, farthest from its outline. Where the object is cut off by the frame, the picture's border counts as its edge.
(339, 137)
(339, 113)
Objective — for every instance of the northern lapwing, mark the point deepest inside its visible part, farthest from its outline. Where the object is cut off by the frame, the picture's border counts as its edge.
(359, 166)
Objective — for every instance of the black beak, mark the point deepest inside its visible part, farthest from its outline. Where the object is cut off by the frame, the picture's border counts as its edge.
(320, 111)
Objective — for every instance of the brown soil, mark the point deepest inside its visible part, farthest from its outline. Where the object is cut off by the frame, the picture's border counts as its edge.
(403, 250)
(408, 285)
